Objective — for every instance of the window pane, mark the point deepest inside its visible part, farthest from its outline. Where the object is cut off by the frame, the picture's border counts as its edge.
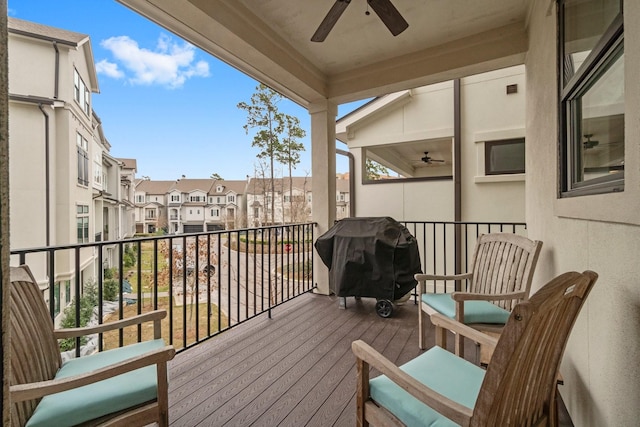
(585, 21)
(599, 141)
(79, 230)
(503, 157)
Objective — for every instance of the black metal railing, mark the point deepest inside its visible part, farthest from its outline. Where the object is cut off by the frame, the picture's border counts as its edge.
(447, 247)
(210, 282)
(207, 282)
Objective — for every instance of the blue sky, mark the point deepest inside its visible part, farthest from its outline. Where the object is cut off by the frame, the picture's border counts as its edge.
(163, 101)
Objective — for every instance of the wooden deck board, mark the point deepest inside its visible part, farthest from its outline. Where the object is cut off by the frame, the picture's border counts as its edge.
(294, 369)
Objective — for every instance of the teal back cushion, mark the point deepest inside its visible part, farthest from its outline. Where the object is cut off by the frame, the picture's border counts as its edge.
(102, 398)
(441, 371)
(474, 311)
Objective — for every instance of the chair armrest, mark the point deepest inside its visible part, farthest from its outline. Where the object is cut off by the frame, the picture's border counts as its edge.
(447, 407)
(441, 321)
(155, 315)
(31, 391)
(470, 296)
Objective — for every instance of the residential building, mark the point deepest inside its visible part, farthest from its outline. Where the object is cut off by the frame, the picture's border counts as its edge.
(412, 134)
(189, 205)
(66, 187)
(290, 201)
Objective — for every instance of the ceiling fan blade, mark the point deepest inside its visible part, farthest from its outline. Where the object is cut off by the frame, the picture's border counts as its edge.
(389, 15)
(330, 20)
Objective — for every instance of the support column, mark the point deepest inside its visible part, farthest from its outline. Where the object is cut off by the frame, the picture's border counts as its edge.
(4, 218)
(323, 171)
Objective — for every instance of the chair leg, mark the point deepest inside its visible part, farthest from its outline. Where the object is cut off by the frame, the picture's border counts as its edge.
(421, 331)
(163, 395)
(363, 392)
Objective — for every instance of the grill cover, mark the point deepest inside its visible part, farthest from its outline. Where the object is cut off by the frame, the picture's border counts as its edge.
(370, 257)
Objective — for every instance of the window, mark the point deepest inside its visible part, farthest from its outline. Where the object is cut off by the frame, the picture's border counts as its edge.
(150, 213)
(97, 169)
(197, 198)
(67, 291)
(56, 298)
(81, 93)
(219, 200)
(83, 160)
(592, 97)
(210, 199)
(231, 198)
(140, 198)
(215, 212)
(504, 157)
(256, 212)
(82, 219)
(175, 198)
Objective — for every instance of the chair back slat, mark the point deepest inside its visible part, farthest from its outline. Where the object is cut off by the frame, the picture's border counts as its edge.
(35, 355)
(502, 263)
(520, 380)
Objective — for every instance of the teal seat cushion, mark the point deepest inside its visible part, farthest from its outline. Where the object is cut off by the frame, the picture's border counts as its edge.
(474, 311)
(82, 404)
(441, 371)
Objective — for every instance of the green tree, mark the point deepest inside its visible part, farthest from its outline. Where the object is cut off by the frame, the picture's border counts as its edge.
(290, 152)
(375, 170)
(263, 114)
(216, 176)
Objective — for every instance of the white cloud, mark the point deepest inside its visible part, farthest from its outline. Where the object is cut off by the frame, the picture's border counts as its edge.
(170, 64)
(110, 69)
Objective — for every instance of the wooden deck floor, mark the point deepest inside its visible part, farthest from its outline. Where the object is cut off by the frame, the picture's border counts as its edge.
(295, 369)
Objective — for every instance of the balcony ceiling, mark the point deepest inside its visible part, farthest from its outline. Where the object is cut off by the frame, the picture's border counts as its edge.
(270, 41)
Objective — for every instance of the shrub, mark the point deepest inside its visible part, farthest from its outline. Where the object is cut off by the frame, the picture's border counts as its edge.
(129, 256)
(110, 290)
(87, 302)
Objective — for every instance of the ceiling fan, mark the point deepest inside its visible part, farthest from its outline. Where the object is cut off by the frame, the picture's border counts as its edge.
(589, 143)
(383, 8)
(429, 160)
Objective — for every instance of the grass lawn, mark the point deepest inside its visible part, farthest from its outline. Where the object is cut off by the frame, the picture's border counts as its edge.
(111, 339)
(146, 255)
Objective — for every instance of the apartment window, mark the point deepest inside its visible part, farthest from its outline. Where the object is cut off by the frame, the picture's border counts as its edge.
(67, 291)
(81, 93)
(210, 199)
(140, 198)
(592, 97)
(83, 160)
(97, 169)
(231, 198)
(56, 298)
(82, 220)
(175, 198)
(197, 198)
(215, 212)
(256, 212)
(150, 213)
(504, 157)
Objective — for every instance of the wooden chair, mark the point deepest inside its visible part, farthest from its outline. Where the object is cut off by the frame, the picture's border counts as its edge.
(517, 389)
(119, 387)
(502, 269)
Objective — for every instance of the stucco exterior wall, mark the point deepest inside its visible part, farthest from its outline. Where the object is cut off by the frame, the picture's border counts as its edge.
(487, 114)
(601, 366)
